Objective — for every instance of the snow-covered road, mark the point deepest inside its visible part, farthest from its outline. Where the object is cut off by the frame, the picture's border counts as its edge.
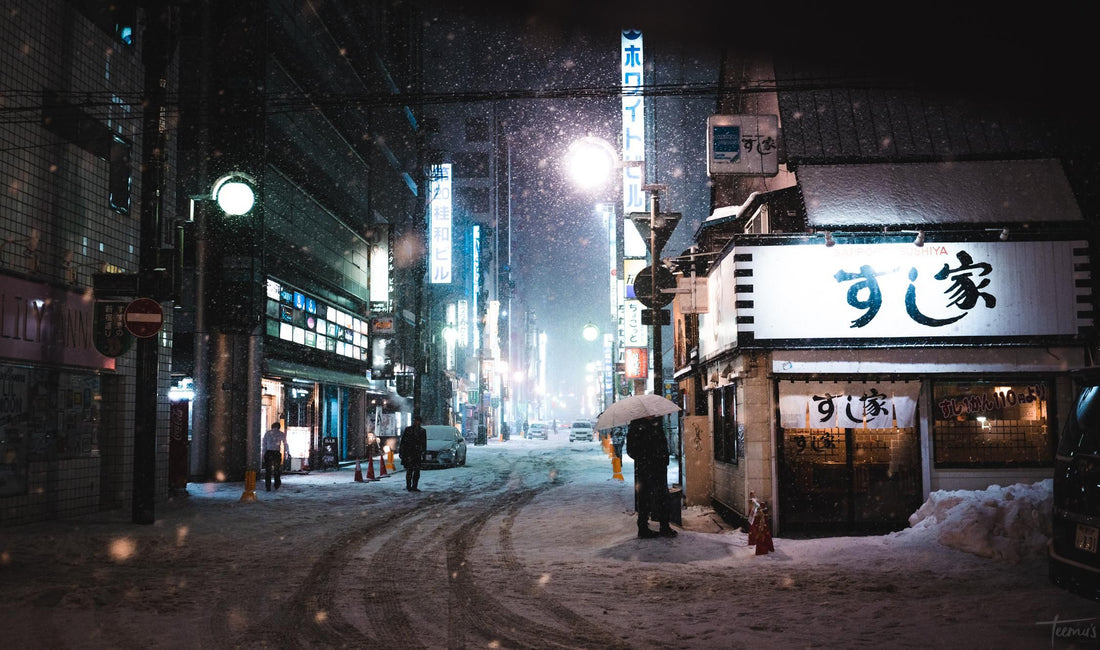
(531, 545)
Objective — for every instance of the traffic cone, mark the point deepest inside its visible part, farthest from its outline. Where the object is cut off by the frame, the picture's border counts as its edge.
(381, 467)
(370, 468)
(358, 472)
(389, 461)
(617, 467)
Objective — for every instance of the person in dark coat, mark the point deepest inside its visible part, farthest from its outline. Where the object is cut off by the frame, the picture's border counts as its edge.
(647, 445)
(411, 448)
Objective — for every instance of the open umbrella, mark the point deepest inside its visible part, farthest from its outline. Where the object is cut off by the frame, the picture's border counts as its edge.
(635, 407)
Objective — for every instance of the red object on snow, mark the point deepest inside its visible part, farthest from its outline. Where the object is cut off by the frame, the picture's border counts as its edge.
(358, 472)
(370, 468)
(764, 533)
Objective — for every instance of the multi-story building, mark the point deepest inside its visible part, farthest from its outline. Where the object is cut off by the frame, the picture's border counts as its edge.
(306, 309)
(897, 286)
(88, 190)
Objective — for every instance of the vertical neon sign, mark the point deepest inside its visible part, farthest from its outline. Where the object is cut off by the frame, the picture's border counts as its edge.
(633, 112)
(440, 236)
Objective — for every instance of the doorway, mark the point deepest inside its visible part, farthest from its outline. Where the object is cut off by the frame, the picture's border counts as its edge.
(847, 481)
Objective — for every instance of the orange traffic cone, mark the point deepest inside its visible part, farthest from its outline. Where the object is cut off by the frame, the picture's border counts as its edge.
(389, 461)
(617, 468)
(381, 467)
(358, 472)
(370, 468)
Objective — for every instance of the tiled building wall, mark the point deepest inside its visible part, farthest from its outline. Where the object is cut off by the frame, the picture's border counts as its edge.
(57, 227)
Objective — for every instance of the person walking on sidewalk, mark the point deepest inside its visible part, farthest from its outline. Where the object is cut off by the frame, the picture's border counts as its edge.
(274, 444)
(411, 448)
(647, 445)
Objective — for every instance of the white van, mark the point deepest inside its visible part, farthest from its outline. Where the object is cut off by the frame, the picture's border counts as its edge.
(581, 430)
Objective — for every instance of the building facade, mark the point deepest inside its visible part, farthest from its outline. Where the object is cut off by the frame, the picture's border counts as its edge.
(894, 309)
(88, 193)
(306, 310)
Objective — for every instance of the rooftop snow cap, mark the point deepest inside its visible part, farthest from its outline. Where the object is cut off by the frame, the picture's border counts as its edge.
(915, 194)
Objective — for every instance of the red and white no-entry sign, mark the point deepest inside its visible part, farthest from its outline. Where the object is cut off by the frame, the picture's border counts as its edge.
(144, 317)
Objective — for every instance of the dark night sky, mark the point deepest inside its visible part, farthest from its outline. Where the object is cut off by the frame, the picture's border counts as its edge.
(997, 55)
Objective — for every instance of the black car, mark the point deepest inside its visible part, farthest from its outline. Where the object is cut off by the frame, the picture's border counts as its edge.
(1074, 558)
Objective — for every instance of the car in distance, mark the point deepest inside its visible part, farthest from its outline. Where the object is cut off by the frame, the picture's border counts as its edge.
(581, 430)
(446, 446)
(1074, 562)
(538, 430)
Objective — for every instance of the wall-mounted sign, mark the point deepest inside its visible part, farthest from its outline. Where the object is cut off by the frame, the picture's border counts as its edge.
(110, 336)
(632, 333)
(898, 290)
(40, 322)
(439, 238)
(299, 318)
(632, 78)
(383, 324)
(743, 144)
(635, 363)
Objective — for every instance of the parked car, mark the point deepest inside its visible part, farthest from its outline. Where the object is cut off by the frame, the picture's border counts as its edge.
(581, 430)
(538, 430)
(1075, 531)
(446, 446)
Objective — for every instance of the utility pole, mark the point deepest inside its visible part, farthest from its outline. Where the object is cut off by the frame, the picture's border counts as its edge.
(156, 54)
(655, 255)
(657, 226)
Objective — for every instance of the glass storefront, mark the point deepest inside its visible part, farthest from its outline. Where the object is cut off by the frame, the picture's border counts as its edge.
(45, 415)
(990, 424)
(848, 457)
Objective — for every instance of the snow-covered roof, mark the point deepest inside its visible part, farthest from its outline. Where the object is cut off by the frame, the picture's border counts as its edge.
(1003, 191)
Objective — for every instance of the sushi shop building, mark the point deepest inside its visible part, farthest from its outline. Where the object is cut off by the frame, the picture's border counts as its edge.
(854, 367)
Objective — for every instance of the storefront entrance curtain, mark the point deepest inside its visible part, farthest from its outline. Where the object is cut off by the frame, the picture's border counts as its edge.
(855, 405)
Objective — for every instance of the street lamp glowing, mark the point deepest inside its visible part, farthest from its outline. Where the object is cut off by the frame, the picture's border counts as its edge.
(590, 162)
(590, 332)
(235, 194)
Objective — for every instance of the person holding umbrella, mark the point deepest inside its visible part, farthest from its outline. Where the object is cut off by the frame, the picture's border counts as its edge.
(647, 445)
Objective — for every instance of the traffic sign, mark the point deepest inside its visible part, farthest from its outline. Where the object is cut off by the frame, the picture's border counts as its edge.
(144, 317)
(109, 334)
(643, 286)
(663, 317)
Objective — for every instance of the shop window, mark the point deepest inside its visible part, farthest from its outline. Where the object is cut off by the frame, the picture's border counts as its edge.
(77, 126)
(986, 424)
(48, 415)
(724, 424)
(848, 456)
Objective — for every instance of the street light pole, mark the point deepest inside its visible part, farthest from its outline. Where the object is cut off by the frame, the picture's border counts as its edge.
(658, 364)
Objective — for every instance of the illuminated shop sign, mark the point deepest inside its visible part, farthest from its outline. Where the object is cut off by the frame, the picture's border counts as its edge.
(632, 78)
(440, 237)
(635, 363)
(299, 318)
(381, 266)
(898, 290)
(981, 424)
(631, 330)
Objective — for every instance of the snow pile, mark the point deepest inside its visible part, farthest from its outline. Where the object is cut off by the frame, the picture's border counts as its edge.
(1002, 523)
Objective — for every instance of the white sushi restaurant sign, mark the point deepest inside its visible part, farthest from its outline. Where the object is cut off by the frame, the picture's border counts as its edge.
(898, 290)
